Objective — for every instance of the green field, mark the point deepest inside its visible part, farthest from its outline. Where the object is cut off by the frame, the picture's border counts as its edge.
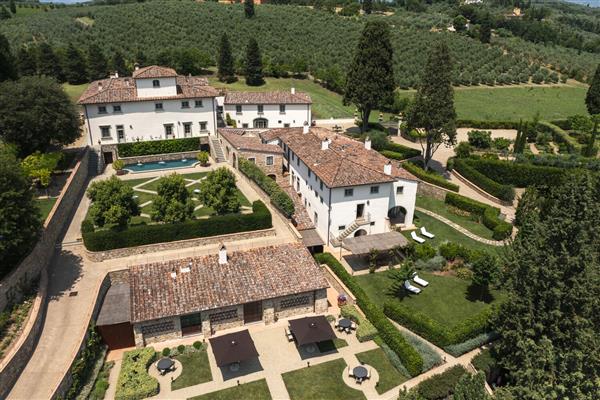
(74, 91)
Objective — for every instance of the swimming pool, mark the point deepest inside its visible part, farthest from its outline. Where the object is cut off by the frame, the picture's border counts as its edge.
(154, 166)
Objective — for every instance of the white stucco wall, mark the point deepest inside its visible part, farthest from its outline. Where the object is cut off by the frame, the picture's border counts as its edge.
(141, 120)
(407, 199)
(295, 114)
(145, 87)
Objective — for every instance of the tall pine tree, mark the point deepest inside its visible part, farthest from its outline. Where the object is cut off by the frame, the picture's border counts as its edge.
(4, 13)
(140, 59)
(75, 66)
(27, 61)
(12, 6)
(433, 106)
(49, 63)
(253, 67)
(249, 8)
(367, 6)
(370, 81)
(549, 344)
(97, 64)
(592, 98)
(8, 69)
(226, 68)
(117, 64)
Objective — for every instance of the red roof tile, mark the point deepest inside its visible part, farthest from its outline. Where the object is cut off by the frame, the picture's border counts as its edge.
(154, 71)
(246, 140)
(277, 97)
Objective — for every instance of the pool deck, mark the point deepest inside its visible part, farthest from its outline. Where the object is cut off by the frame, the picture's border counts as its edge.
(165, 165)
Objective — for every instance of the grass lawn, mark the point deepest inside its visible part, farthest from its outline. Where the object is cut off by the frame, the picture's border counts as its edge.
(257, 390)
(514, 103)
(322, 381)
(330, 345)
(195, 369)
(446, 299)
(441, 208)
(389, 376)
(74, 91)
(45, 206)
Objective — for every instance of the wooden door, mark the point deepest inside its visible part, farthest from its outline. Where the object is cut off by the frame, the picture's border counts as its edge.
(253, 312)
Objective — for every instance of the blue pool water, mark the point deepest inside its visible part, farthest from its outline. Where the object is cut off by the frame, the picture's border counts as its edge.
(154, 166)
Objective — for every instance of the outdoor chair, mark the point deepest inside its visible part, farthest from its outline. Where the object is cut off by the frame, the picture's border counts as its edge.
(340, 329)
(419, 281)
(350, 374)
(411, 288)
(369, 374)
(416, 237)
(426, 234)
(347, 330)
(336, 324)
(353, 326)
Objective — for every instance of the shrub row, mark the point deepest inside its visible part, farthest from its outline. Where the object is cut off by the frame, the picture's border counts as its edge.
(399, 152)
(430, 357)
(501, 229)
(440, 386)
(148, 234)
(279, 198)
(433, 331)
(451, 251)
(472, 123)
(461, 348)
(503, 192)
(134, 381)
(560, 135)
(516, 174)
(136, 149)
(430, 177)
(83, 366)
(387, 331)
(365, 331)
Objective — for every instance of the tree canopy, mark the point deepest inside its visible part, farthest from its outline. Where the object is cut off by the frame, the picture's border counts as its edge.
(8, 68)
(225, 62)
(253, 67)
(76, 68)
(218, 191)
(39, 166)
(592, 98)
(112, 202)
(97, 64)
(249, 8)
(173, 203)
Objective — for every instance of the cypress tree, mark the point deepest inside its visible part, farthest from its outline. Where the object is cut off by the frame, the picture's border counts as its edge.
(75, 66)
(367, 6)
(254, 68)
(433, 107)
(249, 8)
(370, 81)
(141, 59)
(12, 6)
(592, 98)
(97, 64)
(117, 64)
(27, 61)
(8, 68)
(485, 30)
(4, 13)
(49, 63)
(226, 69)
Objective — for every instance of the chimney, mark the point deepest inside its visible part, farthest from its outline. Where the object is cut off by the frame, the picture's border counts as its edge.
(325, 144)
(305, 128)
(293, 90)
(222, 255)
(368, 143)
(387, 168)
(136, 66)
(99, 85)
(116, 74)
(186, 268)
(173, 273)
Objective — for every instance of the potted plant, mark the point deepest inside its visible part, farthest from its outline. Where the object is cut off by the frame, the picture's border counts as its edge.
(202, 158)
(118, 166)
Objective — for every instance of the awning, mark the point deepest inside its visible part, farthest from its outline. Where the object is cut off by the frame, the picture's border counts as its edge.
(311, 238)
(311, 330)
(233, 347)
(378, 241)
(116, 306)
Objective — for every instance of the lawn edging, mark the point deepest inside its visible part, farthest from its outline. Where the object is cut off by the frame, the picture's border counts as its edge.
(488, 188)
(489, 215)
(410, 358)
(429, 177)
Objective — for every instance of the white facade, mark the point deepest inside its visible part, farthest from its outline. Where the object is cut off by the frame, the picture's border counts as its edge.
(144, 120)
(270, 116)
(156, 87)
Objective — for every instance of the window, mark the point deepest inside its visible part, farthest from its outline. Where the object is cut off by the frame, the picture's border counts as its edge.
(101, 109)
(169, 131)
(238, 109)
(269, 160)
(187, 129)
(309, 173)
(400, 190)
(316, 194)
(321, 185)
(120, 133)
(372, 223)
(282, 109)
(203, 125)
(105, 131)
(341, 227)
(293, 156)
(286, 125)
(156, 83)
(348, 192)
(316, 218)
(260, 123)
(374, 189)
(185, 104)
(158, 106)
(252, 160)
(198, 103)
(244, 126)
(117, 109)
(261, 109)
(294, 302)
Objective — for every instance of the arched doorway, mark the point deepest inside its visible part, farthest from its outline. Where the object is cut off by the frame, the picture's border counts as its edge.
(260, 123)
(272, 176)
(234, 160)
(397, 215)
(360, 232)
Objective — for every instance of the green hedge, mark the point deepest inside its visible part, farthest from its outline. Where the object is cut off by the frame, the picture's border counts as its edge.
(459, 349)
(430, 177)
(397, 151)
(387, 331)
(435, 332)
(365, 331)
(503, 192)
(560, 135)
(472, 123)
(441, 386)
(279, 198)
(501, 229)
(136, 149)
(516, 174)
(149, 234)
(134, 381)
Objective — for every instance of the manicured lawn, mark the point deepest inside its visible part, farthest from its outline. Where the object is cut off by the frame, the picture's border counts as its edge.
(45, 206)
(446, 299)
(74, 91)
(389, 376)
(195, 369)
(441, 208)
(330, 345)
(322, 381)
(257, 390)
(514, 103)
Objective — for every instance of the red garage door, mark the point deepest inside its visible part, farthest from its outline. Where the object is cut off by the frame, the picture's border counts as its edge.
(117, 336)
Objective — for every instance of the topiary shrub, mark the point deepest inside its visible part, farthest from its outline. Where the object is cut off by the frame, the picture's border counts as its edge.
(423, 251)
(197, 345)
(480, 139)
(166, 352)
(134, 382)
(181, 349)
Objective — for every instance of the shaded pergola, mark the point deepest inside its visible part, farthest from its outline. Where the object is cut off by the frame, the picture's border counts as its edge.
(311, 330)
(379, 241)
(233, 347)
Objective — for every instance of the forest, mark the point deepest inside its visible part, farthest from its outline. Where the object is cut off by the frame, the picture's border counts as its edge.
(294, 38)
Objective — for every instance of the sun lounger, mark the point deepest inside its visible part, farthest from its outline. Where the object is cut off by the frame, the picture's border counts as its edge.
(426, 234)
(416, 237)
(419, 281)
(411, 288)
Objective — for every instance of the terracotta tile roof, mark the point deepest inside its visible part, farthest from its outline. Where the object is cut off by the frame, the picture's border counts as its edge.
(154, 71)
(122, 90)
(251, 275)
(242, 139)
(277, 97)
(345, 163)
(300, 217)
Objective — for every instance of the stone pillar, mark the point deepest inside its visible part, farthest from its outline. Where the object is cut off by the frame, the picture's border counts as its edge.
(268, 311)
(138, 336)
(206, 328)
(321, 301)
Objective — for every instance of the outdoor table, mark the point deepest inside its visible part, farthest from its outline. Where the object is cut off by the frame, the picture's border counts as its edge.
(164, 364)
(360, 372)
(345, 323)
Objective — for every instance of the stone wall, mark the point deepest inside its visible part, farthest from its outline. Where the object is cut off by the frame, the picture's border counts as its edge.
(321, 304)
(430, 190)
(156, 331)
(282, 311)
(260, 160)
(209, 327)
(179, 244)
